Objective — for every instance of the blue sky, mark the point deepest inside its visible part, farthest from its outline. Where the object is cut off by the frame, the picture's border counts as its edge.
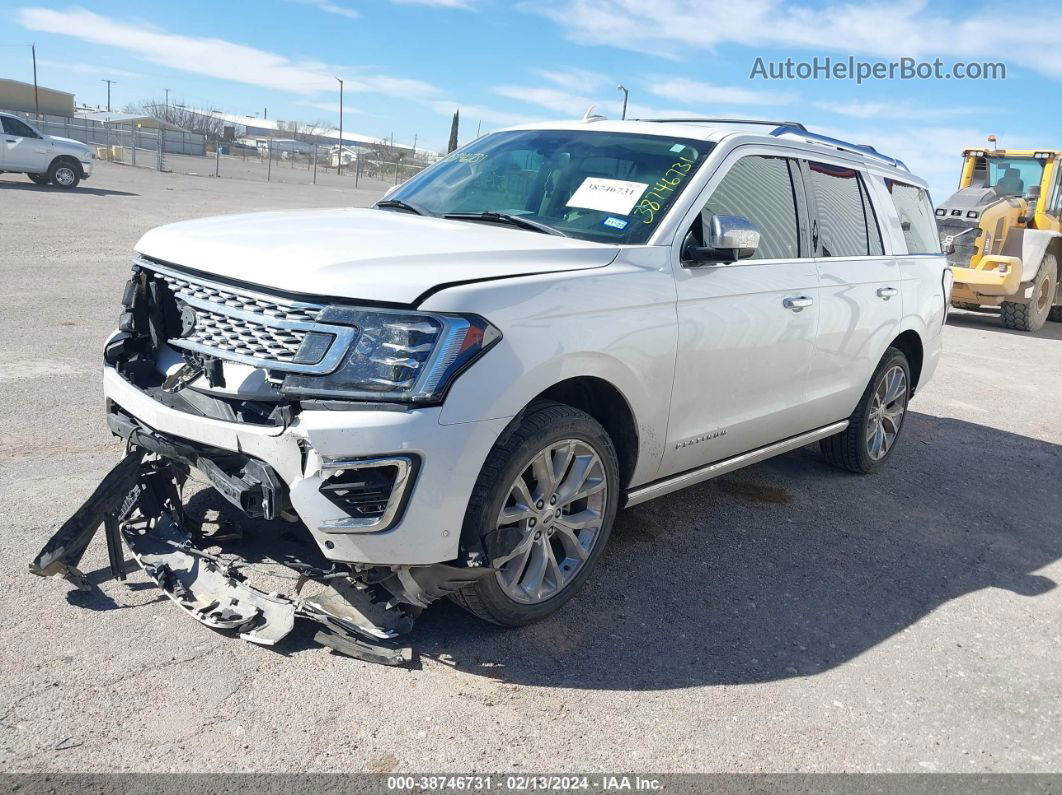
(407, 64)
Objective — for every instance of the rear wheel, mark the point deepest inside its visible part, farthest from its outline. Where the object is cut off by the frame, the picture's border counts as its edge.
(1033, 315)
(965, 305)
(544, 506)
(1055, 315)
(64, 174)
(39, 179)
(875, 425)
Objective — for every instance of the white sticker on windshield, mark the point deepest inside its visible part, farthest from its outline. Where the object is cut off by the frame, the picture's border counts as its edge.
(616, 196)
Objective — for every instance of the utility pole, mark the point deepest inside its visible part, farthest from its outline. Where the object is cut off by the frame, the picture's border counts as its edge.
(623, 115)
(339, 168)
(414, 155)
(36, 99)
(108, 82)
(167, 97)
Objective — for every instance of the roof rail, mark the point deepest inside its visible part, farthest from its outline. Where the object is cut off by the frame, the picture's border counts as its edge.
(800, 131)
(794, 124)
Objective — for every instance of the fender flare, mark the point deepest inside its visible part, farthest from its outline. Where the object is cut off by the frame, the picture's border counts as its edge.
(1035, 243)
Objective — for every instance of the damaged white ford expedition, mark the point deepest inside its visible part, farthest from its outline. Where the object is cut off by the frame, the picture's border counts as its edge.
(453, 392)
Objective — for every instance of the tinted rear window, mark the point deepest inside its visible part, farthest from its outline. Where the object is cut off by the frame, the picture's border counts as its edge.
(916, 217)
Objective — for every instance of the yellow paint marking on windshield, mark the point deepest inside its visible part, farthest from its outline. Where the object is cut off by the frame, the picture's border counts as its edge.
(663, 189)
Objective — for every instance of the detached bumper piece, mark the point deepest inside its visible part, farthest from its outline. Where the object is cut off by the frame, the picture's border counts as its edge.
(361, 611)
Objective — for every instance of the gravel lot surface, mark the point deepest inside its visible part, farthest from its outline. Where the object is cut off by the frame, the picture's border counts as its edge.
(787, 617)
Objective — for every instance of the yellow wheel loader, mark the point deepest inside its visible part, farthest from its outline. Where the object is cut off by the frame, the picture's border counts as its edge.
(1002, 231)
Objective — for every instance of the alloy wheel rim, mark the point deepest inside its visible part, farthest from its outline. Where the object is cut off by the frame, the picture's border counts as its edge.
(557, 503)
(887, 409)
(64, 176)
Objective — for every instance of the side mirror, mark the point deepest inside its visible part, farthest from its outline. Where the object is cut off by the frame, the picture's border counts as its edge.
(730, 238)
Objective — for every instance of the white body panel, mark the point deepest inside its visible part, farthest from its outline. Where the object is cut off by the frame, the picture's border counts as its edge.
(370, 255)
(692, 350)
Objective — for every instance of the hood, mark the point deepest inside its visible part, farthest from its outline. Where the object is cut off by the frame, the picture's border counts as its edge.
(372, 255)
(68, 143)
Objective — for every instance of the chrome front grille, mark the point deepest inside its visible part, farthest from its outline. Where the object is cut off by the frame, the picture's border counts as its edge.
(243, 325)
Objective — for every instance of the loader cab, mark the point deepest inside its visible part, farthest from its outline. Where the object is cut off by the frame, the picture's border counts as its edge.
(1031, 175)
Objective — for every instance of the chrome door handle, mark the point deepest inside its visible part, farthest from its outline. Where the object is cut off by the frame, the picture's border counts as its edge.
(797, 302)
(885, 293)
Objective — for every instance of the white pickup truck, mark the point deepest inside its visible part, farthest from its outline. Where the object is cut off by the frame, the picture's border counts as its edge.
(45, 159)
(454, 392)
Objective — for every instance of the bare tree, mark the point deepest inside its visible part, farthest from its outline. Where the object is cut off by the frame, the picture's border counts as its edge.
(199, 120)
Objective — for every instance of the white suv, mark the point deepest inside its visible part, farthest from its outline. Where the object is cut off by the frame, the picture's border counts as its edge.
(456, 390)
(63, 162)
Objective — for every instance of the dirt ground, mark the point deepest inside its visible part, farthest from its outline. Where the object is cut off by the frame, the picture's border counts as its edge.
(787, 617)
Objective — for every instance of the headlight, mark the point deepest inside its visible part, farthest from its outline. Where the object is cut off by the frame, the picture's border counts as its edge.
(411, 357)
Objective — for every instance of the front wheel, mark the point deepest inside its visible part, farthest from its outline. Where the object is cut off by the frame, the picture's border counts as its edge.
(543, 506)
(1033, 315)
(875, 425)
(63, 174)
(38, 179)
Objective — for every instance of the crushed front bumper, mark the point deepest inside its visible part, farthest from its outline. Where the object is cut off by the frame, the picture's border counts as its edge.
(448, 460)
(360, 611)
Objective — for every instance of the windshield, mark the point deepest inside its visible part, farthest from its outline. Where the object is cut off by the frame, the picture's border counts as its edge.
(607, 187)
(1013, 176)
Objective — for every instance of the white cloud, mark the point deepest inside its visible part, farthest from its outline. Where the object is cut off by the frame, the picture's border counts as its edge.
(333, 108)
(89, 69)
(330, 8)
(569, 78)
(893, 110)
(880, 28)
(464, 4)
(213, 57)
(698, 93)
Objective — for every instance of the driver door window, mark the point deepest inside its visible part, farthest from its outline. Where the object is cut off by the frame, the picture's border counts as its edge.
(18, 128)
(760, 189)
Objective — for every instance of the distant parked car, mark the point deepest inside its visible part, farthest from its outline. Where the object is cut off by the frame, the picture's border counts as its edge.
(45, 159)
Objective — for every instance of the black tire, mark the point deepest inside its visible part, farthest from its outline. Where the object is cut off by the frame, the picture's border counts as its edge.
(542, 424)
(38, 179)
(1033, 315)
(965, 305)
(64, 174)
(849, 448)
(1055, 315)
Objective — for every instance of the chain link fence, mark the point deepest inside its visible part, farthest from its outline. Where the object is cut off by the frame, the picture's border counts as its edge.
(293, 162)
(283, 161)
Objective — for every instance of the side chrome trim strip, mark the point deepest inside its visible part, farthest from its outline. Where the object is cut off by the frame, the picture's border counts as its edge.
(680, 481)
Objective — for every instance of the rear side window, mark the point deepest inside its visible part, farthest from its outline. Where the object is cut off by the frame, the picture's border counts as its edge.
(761, 190)
(916, 217)
(847, 224)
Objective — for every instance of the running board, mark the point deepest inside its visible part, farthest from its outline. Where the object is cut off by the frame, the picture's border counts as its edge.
(693, 476)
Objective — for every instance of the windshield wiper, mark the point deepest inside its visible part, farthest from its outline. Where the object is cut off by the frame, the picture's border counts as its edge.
(398, 204)
(504, 218)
